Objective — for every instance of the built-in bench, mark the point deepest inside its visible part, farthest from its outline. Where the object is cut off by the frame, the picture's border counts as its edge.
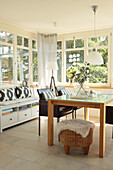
(17, 105)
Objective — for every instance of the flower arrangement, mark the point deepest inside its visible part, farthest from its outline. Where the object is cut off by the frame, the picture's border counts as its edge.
(71, 71)
(80, 72)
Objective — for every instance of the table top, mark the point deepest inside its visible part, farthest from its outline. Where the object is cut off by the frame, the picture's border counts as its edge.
(98, 98)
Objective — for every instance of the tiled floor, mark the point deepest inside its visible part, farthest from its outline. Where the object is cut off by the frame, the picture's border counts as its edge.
(22, 149)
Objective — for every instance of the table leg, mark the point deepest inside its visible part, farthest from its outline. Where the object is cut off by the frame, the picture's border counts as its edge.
(50, 123)
(86, 112)
(102, 130)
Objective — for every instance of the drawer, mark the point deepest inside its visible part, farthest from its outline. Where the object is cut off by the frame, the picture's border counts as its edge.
(35, 111)
(9, 119)
(24, 114)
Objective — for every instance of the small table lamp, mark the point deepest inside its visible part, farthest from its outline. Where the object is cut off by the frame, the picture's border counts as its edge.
(53, 66)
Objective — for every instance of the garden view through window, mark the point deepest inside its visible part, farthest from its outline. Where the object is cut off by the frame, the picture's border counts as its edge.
(22, 65)
(6, 64)
(74, 52)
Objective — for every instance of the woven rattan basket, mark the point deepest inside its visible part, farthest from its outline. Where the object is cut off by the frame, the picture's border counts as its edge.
(71, 139)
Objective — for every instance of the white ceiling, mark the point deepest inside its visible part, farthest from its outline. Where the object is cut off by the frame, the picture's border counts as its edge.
(70, 15)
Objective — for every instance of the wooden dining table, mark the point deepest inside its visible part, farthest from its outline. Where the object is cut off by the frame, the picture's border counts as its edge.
(98, 102)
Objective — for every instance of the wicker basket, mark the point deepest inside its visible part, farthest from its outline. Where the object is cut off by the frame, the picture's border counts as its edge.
(71, 139)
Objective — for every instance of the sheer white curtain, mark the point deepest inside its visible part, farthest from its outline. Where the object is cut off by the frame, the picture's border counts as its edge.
(47, 50)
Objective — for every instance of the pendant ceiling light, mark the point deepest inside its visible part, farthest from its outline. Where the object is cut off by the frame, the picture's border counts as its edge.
(94, 57)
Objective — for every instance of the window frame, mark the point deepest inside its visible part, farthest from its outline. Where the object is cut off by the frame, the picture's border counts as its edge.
(85, 36)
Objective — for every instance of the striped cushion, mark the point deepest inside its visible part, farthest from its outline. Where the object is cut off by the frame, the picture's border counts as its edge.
(47, 95)
(65, 92)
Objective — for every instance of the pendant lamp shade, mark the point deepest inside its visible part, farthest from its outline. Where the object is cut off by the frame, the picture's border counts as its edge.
(94, 58)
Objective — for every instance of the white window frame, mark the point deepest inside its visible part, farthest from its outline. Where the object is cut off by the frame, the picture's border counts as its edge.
(85, 36)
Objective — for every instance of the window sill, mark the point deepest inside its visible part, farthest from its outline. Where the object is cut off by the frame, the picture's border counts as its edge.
(93, 87)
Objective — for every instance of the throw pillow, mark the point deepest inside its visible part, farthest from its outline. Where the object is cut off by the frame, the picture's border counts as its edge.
(3, 95)
(19, 92)
(27, 91)
(65, 92)
(11, 94)
(7, 94)
(47, 95)
(23, 92)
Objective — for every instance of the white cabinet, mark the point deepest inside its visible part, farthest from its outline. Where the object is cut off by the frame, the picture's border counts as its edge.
(20, 112)
(9, 119)
(35, 111)
(24, 114)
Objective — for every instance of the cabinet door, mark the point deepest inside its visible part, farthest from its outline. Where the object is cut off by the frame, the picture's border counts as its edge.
(35, 111)
(9, 119)
(24, 114)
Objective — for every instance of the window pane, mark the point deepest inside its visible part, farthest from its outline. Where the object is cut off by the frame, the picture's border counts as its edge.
(22, 65)
(79, 43)
(6, 64)
(103, 40)
(69, 44)
(92, 42)
(19, 40)
(72, 58)
(34, 44)
(35, 66)
(59, 62)
(99, 74)
(59, 45)
(26, 42)
(10, 38)
(2, 36)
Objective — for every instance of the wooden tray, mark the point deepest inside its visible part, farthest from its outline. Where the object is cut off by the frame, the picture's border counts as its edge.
(81, 97)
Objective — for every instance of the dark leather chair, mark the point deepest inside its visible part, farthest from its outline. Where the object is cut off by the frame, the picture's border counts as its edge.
(59, 90)
(109, 116)
(59, 111)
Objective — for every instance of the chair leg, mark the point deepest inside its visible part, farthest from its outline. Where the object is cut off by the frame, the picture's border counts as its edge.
(75, 114)
(112, 132)
(39, 126)
(86, 150)
(67, 149)
(58, 119)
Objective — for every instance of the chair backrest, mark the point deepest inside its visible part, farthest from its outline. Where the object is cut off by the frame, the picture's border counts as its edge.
(59, 90)
(62, 91)
(40, 91)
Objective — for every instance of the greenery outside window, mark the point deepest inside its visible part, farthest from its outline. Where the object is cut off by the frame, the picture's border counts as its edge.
(2, 36)
(19, 40)
(6, 64)
(34, 44)
(10, 38)
(26, 42)
(22, 65)
(35, 66)
(99, 74)
(69, 44)
(72, 58)
(79, 43)
(59, 45)
(59, 62)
